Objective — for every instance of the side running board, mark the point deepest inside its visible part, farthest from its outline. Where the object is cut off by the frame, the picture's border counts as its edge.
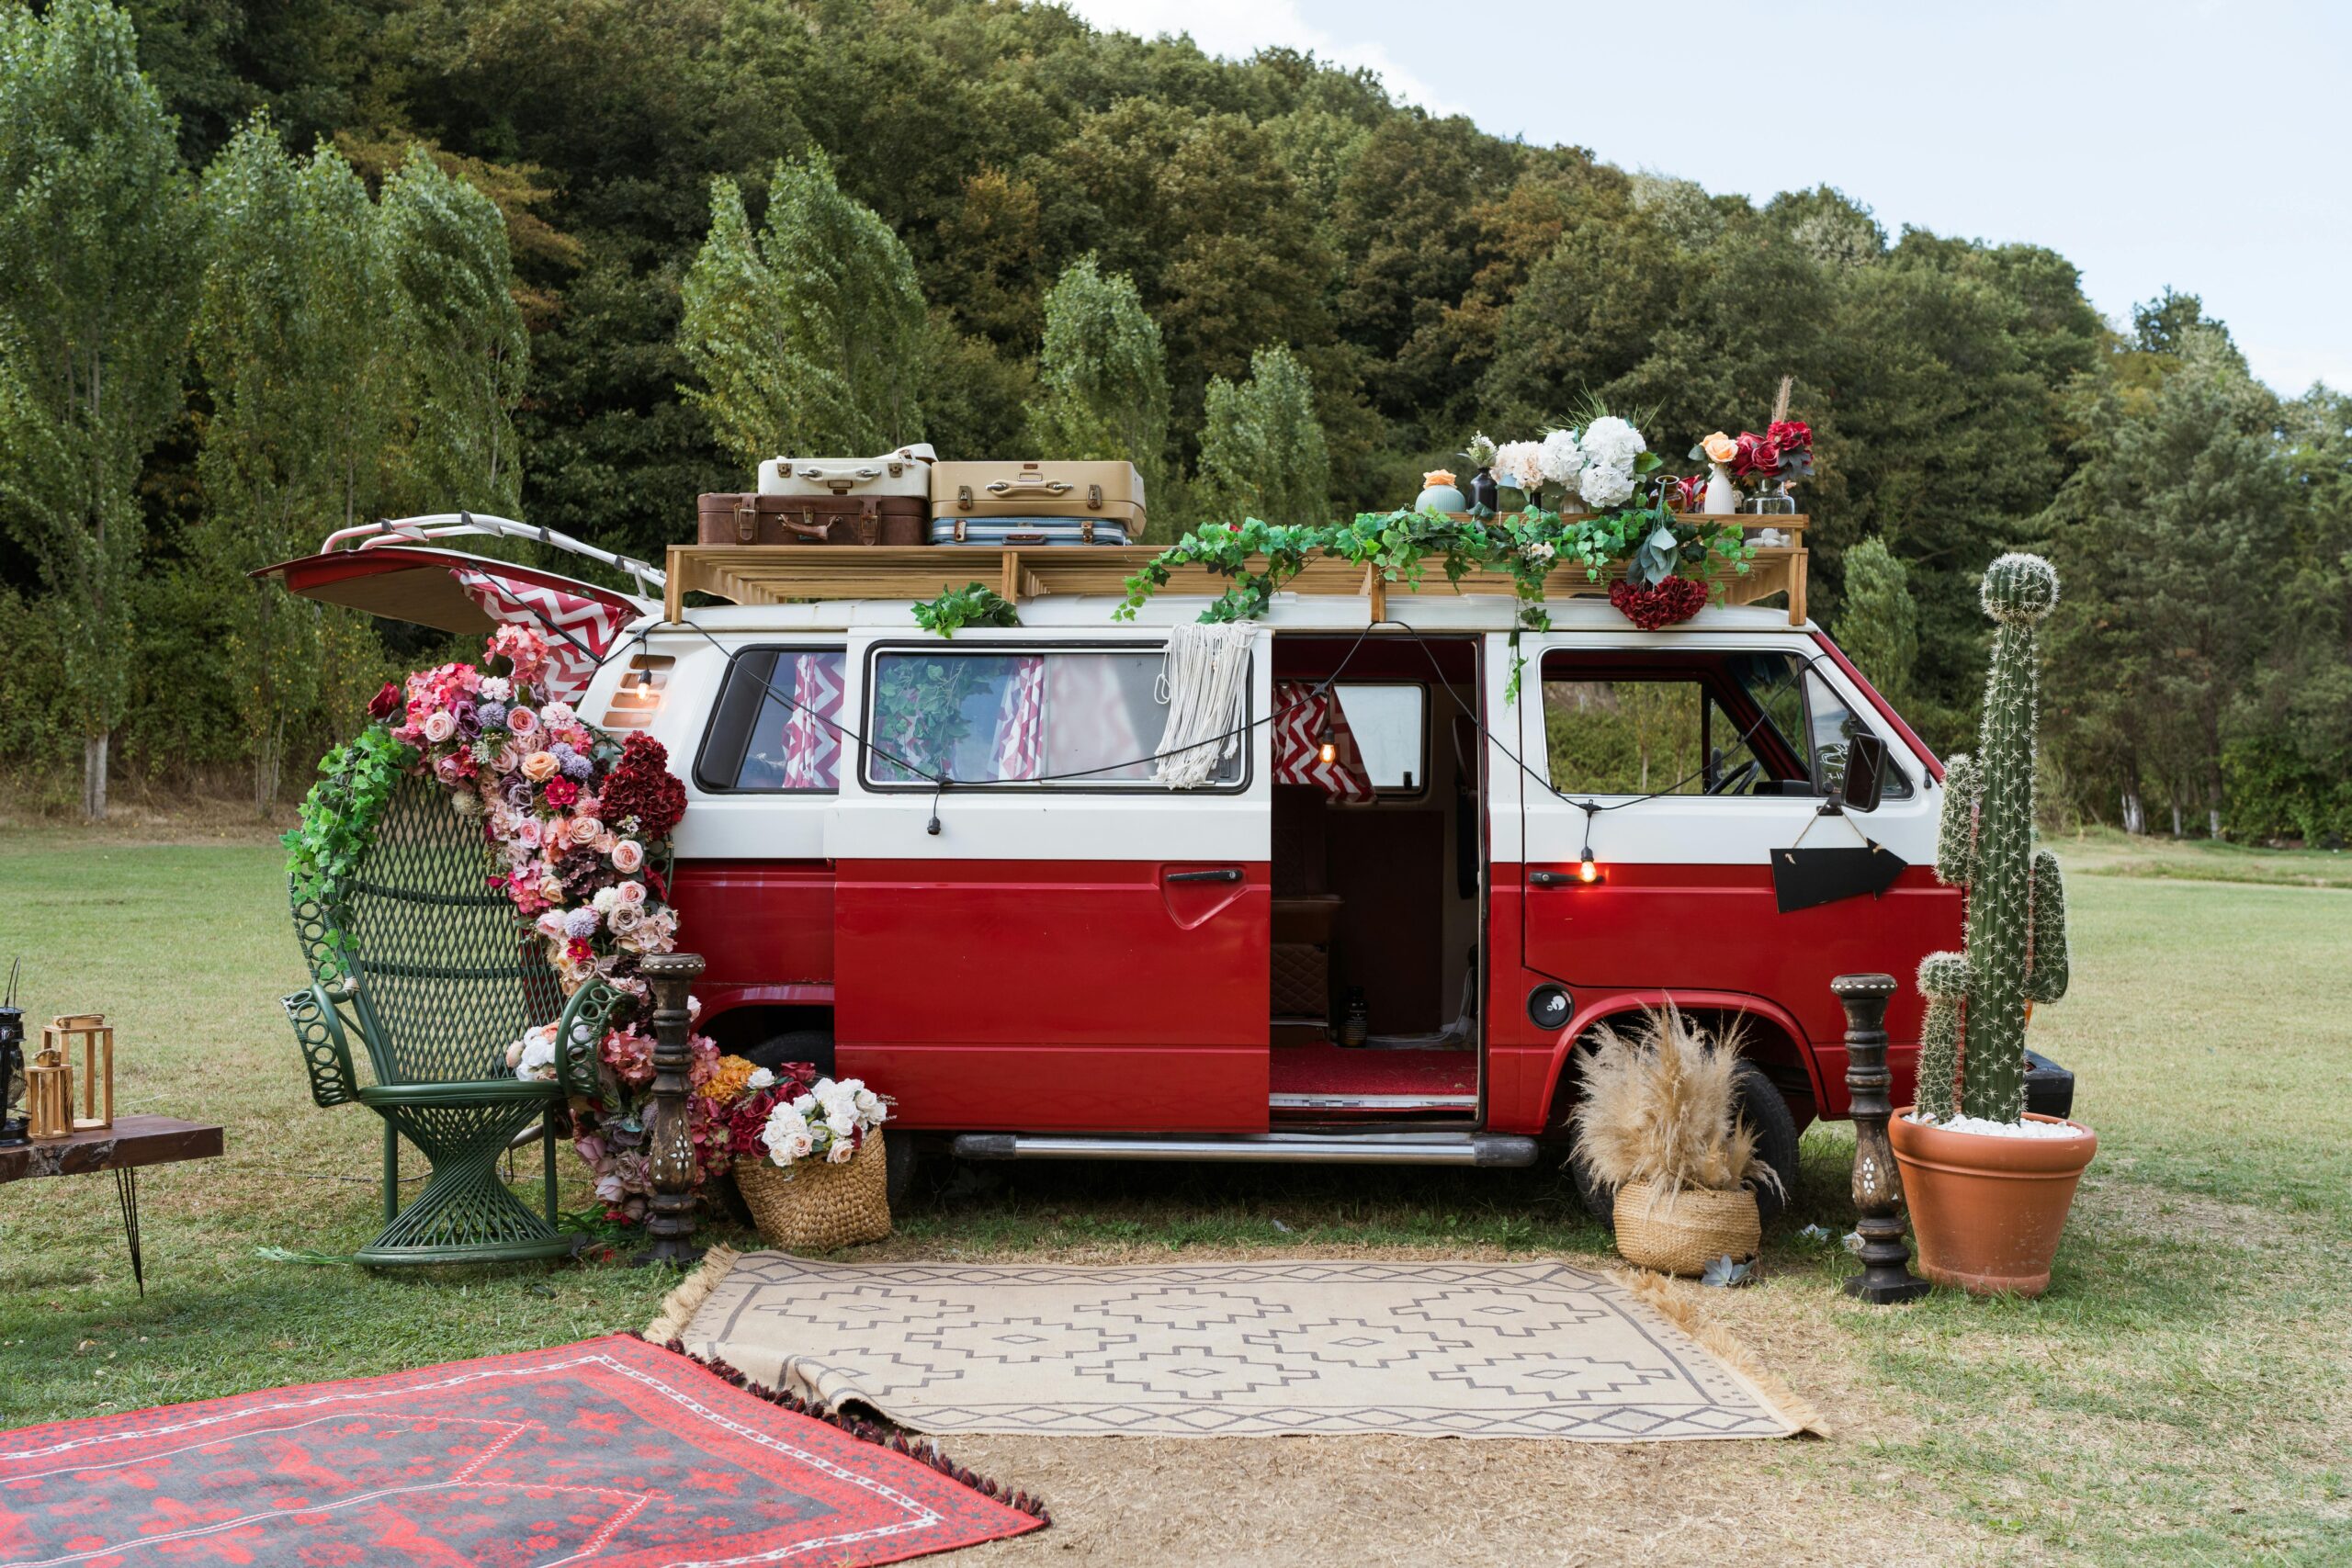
(1484, 1149)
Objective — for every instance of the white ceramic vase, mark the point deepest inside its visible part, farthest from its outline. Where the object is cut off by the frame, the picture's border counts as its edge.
(1722, 496)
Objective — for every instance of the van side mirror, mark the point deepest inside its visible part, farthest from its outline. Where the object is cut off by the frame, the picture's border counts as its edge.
(1866, 761)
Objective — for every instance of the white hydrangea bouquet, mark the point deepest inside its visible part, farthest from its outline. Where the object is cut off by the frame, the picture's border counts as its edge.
(1601, 464)
(829, 1123)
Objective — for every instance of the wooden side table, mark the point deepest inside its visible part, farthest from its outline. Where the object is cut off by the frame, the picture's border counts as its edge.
(132, 1142)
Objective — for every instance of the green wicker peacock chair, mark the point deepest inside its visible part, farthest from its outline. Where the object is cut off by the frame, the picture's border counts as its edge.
(434, 971)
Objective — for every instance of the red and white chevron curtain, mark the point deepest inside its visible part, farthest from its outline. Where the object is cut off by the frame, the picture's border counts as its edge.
(1021, 720)
(592, 623)
(812, 737)
(1298, 742)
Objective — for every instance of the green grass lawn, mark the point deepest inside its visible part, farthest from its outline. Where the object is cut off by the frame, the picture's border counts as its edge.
(2180, 1396)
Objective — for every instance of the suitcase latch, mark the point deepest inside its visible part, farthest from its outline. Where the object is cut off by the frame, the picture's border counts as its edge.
(747, 521)
(1093, 501)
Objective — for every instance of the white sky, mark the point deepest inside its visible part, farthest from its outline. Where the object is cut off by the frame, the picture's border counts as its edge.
(2195, 144)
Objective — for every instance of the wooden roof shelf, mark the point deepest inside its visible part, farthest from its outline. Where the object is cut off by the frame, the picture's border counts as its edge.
(782, 574)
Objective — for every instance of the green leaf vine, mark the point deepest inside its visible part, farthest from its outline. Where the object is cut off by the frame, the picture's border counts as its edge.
(1653, 542)
(338, 820)
(974, 604)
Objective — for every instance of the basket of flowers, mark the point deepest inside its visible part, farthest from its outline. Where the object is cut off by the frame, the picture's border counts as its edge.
(808, 1158)
(1658, 1121)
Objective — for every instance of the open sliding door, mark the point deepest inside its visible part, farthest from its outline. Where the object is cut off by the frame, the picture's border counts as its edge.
(1050, 941)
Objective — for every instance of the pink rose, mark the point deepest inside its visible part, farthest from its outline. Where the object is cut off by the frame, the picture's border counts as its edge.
(447, 768)
(522, 721)
(541, 766)
(627, 856)
(605, 842)
(527, 835)
(631, 894)
(550, 923)
(440, 726)
(584, 829)
(551, 887)
(509, 756)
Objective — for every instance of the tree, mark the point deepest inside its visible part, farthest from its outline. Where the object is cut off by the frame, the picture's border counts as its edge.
(1103, 376)
(305, 369)
(1262, 453)
(96, 233)
(1877, 624)
(809, 335)
(468, 357)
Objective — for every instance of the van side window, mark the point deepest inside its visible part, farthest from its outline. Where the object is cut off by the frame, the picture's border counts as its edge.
(1722, 724)
(1074, 718)
(1641, 736)
(774, 730)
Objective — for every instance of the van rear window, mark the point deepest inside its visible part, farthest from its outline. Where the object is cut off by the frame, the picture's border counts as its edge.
(774, 730)
(1067, 718)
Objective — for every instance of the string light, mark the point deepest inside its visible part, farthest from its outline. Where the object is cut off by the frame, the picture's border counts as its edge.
(1586, 870)
(1329, 751)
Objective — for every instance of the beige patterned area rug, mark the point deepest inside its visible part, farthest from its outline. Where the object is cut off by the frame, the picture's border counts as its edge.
(1536, 1349)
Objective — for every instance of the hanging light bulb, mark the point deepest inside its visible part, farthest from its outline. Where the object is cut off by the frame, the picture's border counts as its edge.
(1328, 753)
(1586, 870)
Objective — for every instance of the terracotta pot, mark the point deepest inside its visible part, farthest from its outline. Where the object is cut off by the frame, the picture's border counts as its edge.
(1987, 1211)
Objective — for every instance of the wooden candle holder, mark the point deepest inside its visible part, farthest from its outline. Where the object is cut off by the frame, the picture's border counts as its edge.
(97, 1067)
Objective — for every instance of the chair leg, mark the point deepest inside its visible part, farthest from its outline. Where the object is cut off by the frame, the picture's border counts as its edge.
(465, 1214)
(392, 1170)
(546, 1142)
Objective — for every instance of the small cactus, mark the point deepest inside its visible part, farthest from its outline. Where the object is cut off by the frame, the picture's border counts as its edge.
(1971, 1059)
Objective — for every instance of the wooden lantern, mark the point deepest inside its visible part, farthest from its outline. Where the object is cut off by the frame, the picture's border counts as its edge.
(49, 1093)
(97, 1064)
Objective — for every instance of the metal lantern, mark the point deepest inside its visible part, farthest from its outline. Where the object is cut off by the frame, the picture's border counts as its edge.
(12, 1066)
(89, 1030)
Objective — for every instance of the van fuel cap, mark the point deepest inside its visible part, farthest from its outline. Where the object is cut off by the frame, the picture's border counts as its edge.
(1547, 1006)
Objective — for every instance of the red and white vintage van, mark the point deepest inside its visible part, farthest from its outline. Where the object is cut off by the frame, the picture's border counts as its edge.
(1386, 958)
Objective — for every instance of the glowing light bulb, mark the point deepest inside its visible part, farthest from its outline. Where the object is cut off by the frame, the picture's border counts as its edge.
(1586, 870)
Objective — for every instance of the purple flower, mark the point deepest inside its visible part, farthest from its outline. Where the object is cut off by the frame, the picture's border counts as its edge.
(576, 767)
(580, 923)
(468, 719)
(492, 715)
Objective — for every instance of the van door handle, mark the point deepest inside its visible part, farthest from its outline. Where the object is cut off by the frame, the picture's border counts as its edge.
(1548, 879)
(1230, 874)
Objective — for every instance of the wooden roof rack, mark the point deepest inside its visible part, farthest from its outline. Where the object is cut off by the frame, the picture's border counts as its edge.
(782, 574)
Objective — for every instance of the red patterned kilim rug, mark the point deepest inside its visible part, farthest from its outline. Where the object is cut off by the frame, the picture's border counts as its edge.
(611, 1451)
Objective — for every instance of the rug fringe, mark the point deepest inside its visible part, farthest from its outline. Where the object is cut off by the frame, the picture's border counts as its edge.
(1674, 1303)
(923, 1451)
(678, 1308)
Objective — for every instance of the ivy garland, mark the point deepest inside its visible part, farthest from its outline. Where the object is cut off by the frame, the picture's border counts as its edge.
(339, 815)
(974, 604)
(1652, 542)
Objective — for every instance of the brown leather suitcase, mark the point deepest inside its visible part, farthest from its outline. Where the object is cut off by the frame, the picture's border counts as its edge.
(731, 517)
(1050, 488)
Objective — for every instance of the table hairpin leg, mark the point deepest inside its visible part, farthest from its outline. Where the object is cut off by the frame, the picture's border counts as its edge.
(126, 1192)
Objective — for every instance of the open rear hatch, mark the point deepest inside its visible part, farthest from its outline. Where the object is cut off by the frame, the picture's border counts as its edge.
(390, 571)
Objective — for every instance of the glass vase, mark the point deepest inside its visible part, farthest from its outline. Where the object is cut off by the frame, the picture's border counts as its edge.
(1772, 500)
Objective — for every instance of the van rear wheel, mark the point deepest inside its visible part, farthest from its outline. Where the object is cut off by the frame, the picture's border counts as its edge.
(1754, 1101)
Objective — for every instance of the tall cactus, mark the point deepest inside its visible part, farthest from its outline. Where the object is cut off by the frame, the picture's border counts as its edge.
(1973, 1057)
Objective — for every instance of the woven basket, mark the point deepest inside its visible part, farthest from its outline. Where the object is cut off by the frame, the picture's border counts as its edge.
(1688, 1231)
(810, 1206)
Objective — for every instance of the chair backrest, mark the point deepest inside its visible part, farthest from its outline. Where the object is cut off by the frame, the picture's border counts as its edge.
(448, 973)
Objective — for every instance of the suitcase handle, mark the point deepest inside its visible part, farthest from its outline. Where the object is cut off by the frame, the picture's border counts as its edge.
(1021, 539)
(1036, 487)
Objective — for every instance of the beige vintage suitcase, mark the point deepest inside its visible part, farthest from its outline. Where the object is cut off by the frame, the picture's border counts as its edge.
(1109, 492)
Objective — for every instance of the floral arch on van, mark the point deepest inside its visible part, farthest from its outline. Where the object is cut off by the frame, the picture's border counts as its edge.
(575, 828)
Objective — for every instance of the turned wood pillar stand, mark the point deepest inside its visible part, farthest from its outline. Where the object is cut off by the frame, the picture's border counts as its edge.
(1886, 1279)
(669, 1145)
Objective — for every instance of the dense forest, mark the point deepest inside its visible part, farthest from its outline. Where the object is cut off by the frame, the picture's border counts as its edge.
(343, 258)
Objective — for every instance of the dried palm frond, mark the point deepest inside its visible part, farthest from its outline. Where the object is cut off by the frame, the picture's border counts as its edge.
(1659, 1106)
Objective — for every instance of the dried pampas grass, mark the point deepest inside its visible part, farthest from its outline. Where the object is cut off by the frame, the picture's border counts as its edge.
(1659, 1105)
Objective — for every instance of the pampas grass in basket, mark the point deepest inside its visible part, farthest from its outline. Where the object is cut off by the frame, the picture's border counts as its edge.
(1658, 1121)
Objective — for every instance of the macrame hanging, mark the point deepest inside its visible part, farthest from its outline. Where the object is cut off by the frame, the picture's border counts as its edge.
(1204, 682)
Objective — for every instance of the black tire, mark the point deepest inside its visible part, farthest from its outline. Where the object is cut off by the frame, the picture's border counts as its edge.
(902, 1161)
(811, 1045)
(1757, 1102)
